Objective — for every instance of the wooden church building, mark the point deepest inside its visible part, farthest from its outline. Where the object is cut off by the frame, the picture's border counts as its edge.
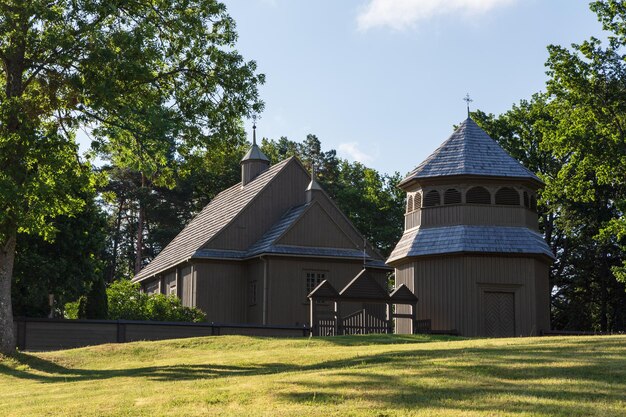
(471, 249)
(255, 252)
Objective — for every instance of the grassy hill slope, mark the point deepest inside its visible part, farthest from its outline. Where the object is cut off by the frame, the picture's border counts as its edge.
(359, 375)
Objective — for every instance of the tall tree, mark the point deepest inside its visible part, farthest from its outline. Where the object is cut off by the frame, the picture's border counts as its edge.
(590, 82)
(585, 295)
(151, 79)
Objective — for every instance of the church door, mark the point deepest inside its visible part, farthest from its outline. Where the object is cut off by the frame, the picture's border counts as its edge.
(499, 310)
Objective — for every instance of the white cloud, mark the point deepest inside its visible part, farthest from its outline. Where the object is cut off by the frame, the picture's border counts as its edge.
(403, 14)
(351, 151)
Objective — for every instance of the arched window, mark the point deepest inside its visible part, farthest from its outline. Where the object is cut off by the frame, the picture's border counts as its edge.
(526, 202)
(478, 195)
(409, 203)
(418, 201)
(507, 196)
(533, 202)
(432, 199)
(452, 196)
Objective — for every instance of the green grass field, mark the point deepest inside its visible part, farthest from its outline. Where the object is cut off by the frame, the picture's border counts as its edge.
(358, 375)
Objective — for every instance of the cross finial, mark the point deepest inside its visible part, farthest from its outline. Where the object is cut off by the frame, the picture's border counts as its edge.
(254, 117)
(468, 100)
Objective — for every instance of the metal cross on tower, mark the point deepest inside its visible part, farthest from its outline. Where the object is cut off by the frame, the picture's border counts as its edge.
(254, 117)
(468, 100)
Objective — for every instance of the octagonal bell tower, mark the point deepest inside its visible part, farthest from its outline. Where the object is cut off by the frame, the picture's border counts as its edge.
(471, 250)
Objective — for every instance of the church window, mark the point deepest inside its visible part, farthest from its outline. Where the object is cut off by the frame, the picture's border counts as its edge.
(417, 202)
(432, 199)
(452, 196)
(409, 203)
(478, 195)
(313, 279)
(252, 293)
(507, 196)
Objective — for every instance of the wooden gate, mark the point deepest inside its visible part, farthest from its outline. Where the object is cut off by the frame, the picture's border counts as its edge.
(376, 316)
(360, 322)
(499, 314)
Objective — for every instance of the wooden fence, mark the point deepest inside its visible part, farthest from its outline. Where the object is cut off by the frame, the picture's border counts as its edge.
(39, 334)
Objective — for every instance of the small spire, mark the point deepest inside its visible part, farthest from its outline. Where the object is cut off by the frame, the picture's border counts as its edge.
(468, 100)
(313, 185)
(254, 117)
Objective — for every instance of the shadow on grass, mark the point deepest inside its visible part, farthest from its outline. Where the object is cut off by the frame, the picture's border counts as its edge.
(567, 380)
(478, 378)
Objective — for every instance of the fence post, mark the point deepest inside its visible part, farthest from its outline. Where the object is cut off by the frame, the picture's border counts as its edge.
(338, 320)
(389, 318)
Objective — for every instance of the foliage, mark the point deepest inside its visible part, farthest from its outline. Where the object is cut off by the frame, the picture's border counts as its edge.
(67, 267)
(150, 80)
(372, 375)
(589, 82)
(198, 178)
(75, 309)
(584, 293)
(127, 302)
(96, 305)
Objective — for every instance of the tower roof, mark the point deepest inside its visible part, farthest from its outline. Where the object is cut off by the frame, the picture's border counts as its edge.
(470, 151)
(255, 154)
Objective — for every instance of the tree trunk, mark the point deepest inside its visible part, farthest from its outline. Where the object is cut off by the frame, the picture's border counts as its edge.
(7, 335)
(140, 220)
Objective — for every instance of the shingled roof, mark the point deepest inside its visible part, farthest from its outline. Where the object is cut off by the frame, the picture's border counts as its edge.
(470, 151)
(213, 218)
(267, 244)
(479, 239)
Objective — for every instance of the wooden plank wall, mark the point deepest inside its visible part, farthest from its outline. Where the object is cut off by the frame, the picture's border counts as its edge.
(472, 215)
(254, 273)
(288, 303)
(318, 229)
(54, 334)
(220, 291)
(187, 281)
(450, 291)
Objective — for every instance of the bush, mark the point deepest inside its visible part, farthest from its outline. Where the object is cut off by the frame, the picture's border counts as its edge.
(127, 302)
(75, 309)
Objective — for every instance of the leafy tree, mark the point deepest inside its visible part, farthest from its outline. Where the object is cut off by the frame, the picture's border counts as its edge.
(150, 79)
(584, 294)
(588, 83)
(67, 267)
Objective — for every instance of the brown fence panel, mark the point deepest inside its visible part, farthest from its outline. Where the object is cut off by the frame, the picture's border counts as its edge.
(136, 332)
(54, 335)
(38, 334)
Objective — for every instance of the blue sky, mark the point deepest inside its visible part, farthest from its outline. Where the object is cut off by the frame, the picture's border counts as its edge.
(382, 81)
